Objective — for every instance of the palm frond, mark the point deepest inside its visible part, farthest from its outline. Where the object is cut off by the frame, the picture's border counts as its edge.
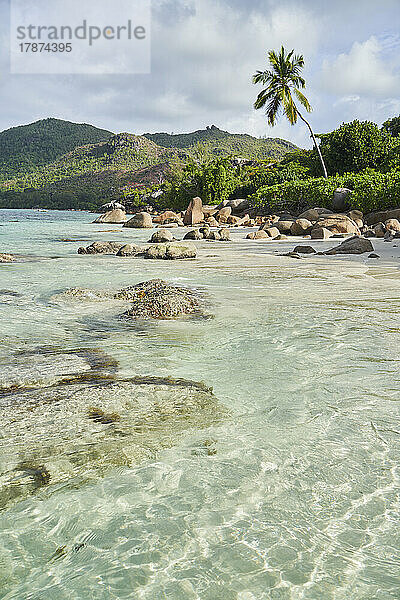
(303, 100)
(273, 109)
(289, 107)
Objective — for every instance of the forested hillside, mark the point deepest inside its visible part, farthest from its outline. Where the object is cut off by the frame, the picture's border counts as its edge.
(220, 143)
(121, 153)
(58, 164)
(24, 148)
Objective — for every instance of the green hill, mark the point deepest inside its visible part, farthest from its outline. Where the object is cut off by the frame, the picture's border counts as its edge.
(123, 152)
(53, 163)
(219, 143)
(90, 174)
(24, 148)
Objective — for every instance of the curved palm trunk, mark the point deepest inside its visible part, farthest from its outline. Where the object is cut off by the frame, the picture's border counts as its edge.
(315, 144)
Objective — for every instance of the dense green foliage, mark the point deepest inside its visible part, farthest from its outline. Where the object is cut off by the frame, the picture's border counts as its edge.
(223, 143)
(253, 178)
(363, 157)
(392, 126)
(24, 148)
(214, 181)
(372, 190)
(219, 179)
(355, 146)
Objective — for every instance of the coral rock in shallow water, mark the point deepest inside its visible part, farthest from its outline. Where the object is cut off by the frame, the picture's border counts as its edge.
(4, 258)
(75, 433)
(156, 299)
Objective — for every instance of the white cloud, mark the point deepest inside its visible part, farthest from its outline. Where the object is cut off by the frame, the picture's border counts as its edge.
(361, 72)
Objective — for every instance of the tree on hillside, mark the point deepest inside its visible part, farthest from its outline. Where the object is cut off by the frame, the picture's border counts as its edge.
(283, 79)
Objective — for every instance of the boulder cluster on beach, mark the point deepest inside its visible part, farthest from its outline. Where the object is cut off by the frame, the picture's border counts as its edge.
(318, 223)
(230, 212)
(215, 223)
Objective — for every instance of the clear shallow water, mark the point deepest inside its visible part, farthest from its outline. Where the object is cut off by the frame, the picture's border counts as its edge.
(291, 492)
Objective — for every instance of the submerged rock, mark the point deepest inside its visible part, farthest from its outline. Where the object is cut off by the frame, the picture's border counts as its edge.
(156, 299)
(75, 433)
(81, 294)
(291, 254)
(48, 365)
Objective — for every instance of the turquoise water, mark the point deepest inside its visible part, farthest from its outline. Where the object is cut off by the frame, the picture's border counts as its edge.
(281, 484)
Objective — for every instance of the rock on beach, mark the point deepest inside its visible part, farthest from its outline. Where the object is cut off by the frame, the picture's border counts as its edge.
(141, 220)
(353, 245)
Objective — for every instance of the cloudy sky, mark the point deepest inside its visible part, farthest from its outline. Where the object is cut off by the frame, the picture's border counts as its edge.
(203, 55)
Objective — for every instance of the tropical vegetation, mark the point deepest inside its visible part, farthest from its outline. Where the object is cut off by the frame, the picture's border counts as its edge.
(123, 167)
(136, 171)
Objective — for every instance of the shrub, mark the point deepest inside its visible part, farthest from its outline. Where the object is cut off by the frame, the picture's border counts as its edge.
(255, 177)
(372, 190)
(213, 181)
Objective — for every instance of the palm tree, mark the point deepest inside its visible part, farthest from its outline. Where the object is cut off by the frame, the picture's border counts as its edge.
(282, 80)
